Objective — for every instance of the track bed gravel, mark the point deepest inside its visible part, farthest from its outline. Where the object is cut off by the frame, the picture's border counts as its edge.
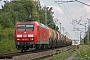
(41, 55)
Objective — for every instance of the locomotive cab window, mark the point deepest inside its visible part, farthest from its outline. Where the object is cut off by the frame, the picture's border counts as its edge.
(30, 27)
(20, 27)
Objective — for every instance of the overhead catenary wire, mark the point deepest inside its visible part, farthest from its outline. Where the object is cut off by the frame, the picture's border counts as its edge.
(65, 7)
(79, 2)
(73, 1)
(70, 1)
(82, 3)
(67, 11)
(68, 17)
(62, 10)
(61, 2)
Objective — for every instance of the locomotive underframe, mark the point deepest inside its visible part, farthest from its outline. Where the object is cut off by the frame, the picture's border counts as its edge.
(30, 45)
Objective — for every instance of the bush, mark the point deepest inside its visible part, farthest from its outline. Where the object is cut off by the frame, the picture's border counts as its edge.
(7, 33)
(63, 55)
(83, 53)
(7, 46)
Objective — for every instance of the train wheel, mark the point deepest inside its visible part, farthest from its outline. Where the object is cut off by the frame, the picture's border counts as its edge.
(37, 47)
(46, 46)
(25, 50)
(43, 47)
(22, 50)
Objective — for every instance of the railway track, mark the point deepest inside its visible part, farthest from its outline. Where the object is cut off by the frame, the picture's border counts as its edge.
(11, 55)
(38, 55)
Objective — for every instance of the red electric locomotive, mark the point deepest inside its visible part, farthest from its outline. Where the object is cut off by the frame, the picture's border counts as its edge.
(31, 35)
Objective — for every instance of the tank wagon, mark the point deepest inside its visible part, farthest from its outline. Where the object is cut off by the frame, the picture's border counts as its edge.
(38, 36)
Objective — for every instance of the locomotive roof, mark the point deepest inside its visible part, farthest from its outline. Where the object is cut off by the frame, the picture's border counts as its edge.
(38, 23)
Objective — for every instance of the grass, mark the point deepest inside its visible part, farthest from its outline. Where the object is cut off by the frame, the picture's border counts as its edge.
(7, 46)
(83, 53)
(62, 56)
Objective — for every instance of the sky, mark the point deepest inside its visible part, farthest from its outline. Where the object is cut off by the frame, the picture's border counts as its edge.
(68, 12)
(1, 3)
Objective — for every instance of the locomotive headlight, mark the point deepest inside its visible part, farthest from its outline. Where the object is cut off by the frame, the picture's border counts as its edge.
(18, 39)
(31, 38)
(19, 35)
(30, 35)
